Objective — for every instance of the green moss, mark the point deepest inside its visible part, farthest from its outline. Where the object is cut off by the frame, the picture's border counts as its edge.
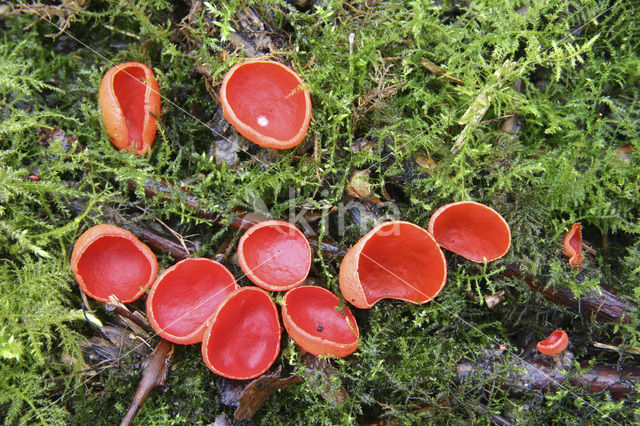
(361, 61)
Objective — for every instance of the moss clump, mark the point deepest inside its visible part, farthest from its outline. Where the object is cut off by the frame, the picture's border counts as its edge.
(567, 70)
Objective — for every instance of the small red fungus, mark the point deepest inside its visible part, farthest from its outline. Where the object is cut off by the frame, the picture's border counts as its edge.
(395, 260)
(267, 103)
(472, 230)
(555, 344)
(243, 338)
(275, 255)
(108, 260)
(572, 245)
(185, 296)
(130, 102)
(312, 318)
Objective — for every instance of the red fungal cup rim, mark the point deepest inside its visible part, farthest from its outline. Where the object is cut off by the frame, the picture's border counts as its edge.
(196, 335)
(251, 133)
(314, 344)
(250, 271)
(555, 344)
(95, 234)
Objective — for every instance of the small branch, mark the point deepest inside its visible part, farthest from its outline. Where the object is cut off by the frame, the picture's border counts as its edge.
(536, 374)
(155, 375)
(605, 305)
(130, 318)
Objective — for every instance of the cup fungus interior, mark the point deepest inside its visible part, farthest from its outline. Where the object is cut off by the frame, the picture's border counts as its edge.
(313, 309)
(573, 245)
(114, 265)
(471, 230)
(401, 261)
(244, 338)
(130, 89)
(555, 344)
(185, 297)
(278, 255)
(268, 98)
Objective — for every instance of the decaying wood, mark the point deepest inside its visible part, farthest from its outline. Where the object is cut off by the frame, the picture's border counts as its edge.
(541, 375)
(155, 375)
(256, 393)
(602, 304)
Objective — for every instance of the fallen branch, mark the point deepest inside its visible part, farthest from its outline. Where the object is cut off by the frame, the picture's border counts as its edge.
(602, 303)
(155, 375)
(540, 375)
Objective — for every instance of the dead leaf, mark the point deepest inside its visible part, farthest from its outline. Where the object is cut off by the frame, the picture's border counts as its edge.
(259, 390)
(359, 187)
(426, 162)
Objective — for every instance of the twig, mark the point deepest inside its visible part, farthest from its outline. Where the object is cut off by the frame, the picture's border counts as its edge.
(155, 375)
(606, 306)
(537, 374)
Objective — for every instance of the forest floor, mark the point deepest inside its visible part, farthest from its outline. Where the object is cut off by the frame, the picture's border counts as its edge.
(529, 107)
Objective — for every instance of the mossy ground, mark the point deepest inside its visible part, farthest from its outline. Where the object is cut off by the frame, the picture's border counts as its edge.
(579, 72)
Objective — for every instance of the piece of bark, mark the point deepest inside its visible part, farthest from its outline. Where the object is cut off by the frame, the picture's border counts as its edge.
(605, 306)
(493, 300)
(329, 390)
(155, 375)
(542, 375)
(259, 390)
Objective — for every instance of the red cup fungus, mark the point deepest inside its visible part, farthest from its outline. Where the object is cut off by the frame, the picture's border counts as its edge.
(311, 317)
(243, 338)
(108, 260)
(572, 245)
(267, 103)
(472, 230)
(555, 344)
(275, 255)
(395, 260)
(130, 102)
(185, 296)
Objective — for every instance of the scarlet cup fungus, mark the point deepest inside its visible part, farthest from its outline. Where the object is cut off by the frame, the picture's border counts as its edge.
(267, 103)
(312, 318)
(572, 245)
(108, 260)
(243, 338)
(472, 230)
(185, 296)
(130, 102)
(555, 344)
(395, 260)
(275, 255)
